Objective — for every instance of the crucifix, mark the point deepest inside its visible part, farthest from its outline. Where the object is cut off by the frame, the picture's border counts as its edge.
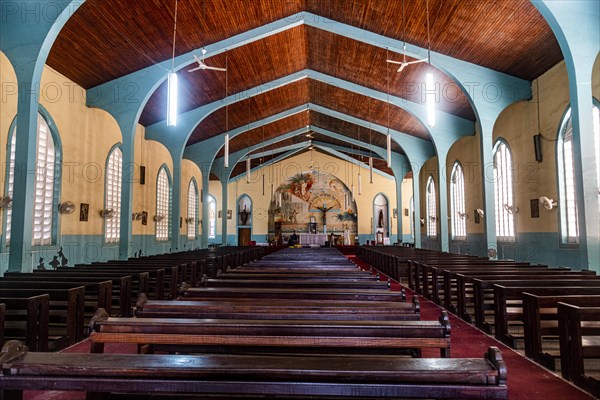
(324, 210)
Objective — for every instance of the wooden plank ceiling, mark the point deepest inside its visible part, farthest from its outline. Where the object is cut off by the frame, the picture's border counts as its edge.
(105, 40)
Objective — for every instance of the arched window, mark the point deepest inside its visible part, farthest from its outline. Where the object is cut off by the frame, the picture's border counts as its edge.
(457, 203)
(431, 200)
(212, 217)
(163, 205)
(569, 224)
(503, 189)
(45, 185)
(192, 210)
(112, 200)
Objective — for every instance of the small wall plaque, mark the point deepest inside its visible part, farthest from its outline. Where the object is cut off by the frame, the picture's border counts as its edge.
(535, 208)
(84, 211)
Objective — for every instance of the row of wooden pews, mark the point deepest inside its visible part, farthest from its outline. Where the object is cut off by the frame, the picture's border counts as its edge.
(51, 309)
(520, 303)
(277, 329)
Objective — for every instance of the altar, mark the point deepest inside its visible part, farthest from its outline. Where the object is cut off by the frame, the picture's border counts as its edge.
(307, 239)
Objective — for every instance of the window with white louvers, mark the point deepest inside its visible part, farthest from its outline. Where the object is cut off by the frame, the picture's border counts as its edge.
(212, 218)
(114, 174)
(163, 206)
(44, 185)
(503, 189)
(457, 203)
(431, 208)
(192, 214)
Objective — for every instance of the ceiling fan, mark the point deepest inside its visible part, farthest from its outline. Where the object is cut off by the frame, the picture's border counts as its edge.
(202, 65)
(403, 64)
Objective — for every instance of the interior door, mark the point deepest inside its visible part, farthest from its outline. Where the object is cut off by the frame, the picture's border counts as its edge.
(244, 236)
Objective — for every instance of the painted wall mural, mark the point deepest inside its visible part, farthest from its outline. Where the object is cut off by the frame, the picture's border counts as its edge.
(313, 197)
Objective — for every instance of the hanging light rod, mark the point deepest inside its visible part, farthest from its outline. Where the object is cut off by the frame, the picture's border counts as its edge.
(172, 84)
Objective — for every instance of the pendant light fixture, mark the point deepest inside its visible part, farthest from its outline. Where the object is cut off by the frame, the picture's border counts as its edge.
(172, 84)
(429, 84)
(248, 165)
(389, 136)
(359, 179)
(226, 157)
(370, 146)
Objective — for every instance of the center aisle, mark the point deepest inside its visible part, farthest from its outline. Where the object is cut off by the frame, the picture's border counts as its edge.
(526, 379)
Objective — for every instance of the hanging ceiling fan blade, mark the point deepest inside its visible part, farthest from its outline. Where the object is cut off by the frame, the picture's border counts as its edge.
(394, 62)
(215, 68)
(402, 66)
(417, 61)
(194, 69)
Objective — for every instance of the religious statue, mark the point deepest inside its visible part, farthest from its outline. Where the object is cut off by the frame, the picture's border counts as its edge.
(63, 260)
(41, 266)
(324, 210)
(380, 219)
(292, 217)
(244, 214)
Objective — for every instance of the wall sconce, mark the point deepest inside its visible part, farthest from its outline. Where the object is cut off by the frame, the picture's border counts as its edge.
(480, 212)
(548, 203)
(158, 218)
(107, 213)
(189, 220)
(68, 207)
(511, 209)
(6, 202)
(463, 215)
(422, 221)
(433, 219)
(137, 216)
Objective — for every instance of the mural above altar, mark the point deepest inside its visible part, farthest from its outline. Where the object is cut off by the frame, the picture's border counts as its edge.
(313, 196)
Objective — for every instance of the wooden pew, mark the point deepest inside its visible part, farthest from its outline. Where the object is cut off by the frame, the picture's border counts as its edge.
(27, 319)
(273, 335)
(2, 318)
(466, 289)
(120, 298)
(450, 282)
(540, 318)
(255, 376)
(97, 294)
(508, 310)
(274, 293)
(152, 282)
(482, 286)
(66, 313)
(579, 329)
(322, 283)
(133, 285)
(281, 309)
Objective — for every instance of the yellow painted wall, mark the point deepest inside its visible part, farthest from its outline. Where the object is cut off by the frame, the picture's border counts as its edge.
(407, 193)
(190, 170)
(299, 163)
(517, 125)
(152, 155)
(430, 168)
(87, 136)
(466, 151)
